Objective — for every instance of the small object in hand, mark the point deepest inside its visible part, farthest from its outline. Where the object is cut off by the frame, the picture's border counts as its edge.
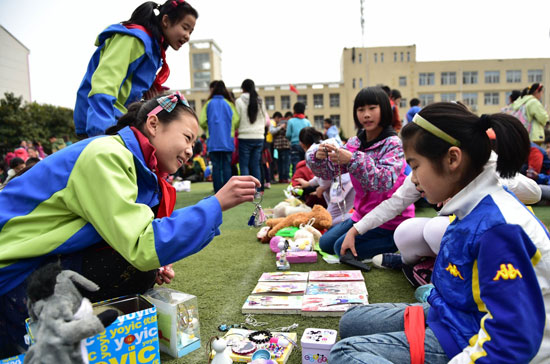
(352, 260)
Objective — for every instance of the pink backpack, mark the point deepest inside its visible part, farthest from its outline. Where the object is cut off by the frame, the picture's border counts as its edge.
(420, 273)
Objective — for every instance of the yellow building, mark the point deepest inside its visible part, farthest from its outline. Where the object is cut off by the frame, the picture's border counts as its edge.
(483, 85)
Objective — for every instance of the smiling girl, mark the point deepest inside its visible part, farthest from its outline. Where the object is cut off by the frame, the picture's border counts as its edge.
(375, 162)
(491, 296)
(103, 208)
(124, 67)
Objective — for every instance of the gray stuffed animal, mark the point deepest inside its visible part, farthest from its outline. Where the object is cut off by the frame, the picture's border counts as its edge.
(64, 318)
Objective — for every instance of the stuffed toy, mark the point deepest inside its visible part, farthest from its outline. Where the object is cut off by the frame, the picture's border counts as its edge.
(63, 317)
(290, 206)
(322, 220)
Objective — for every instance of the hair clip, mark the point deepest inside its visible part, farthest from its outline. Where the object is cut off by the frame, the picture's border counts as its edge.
(176, 2)
(168, 103)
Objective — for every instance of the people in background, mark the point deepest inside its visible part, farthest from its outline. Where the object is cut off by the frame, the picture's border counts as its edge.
(294, 126)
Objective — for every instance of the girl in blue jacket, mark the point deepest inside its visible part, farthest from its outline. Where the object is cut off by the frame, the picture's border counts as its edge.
(491, 300)
(123, 69)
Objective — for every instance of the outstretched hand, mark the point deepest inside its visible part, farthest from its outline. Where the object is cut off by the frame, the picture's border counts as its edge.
(349, 242)
(237, 190)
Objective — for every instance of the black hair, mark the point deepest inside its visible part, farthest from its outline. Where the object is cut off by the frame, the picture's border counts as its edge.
(277, 114)
(254, 102)
(414, 102)
(31, 162)
(137, 115)
(328, 121)
(514, 95)
(144, 15)
(524, 92)
(288, 114)
(309, 136)
(386, 89)
(212, 84)
(470, 130)
(534, 88)
(41, 283)
(16, 161)
(373, 96)
(197, 148)
(219, 89)
(299, 108)
(395, 94)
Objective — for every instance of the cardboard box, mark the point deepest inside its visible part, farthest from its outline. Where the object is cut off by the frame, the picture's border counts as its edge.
(14, 360)
(132, 338)
(316, 345)
(178, 320)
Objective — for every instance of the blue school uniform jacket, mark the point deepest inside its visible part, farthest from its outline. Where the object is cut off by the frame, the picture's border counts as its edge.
(491, 302)
(121, 70)
(97, 189)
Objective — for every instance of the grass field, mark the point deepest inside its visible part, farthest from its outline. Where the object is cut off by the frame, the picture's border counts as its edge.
(224, 273)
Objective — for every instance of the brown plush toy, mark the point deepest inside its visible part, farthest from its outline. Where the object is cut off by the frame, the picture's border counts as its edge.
(323, 220)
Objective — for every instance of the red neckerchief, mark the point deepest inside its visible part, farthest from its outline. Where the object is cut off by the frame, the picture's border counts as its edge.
(164, 72)
(168, 201)
(299, 116)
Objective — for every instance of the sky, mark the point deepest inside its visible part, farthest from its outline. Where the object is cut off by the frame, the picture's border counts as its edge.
(279, 42)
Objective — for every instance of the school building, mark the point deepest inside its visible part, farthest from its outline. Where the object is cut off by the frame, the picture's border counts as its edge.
(483, 85)
(14, 66)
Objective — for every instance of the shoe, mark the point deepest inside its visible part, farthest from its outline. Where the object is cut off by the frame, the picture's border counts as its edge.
(387, 261)
(421, 293)
(267, 185)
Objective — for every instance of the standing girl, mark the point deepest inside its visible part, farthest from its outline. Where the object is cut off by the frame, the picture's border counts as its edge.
(124, 67)
(491, 300)
(374, 160)
(219, 119)
(253, 120)
(104, 202)
(537, 117)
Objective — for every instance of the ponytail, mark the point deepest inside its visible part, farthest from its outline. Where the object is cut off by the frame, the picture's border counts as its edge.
(253, 104)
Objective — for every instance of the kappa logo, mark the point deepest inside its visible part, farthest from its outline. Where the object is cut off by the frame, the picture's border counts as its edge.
(454, 271)
(507, 271)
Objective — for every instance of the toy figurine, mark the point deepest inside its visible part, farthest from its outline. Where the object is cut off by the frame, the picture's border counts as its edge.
(282, 262)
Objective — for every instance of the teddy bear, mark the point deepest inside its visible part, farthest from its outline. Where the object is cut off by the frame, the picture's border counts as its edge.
(63, 317)
(322, 220)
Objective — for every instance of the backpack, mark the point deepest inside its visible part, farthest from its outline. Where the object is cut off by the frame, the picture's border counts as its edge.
(420, 273)
(520, 114)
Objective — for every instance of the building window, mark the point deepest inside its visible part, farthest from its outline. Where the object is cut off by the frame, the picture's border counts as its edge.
(302, 99)
(395, 56)
(376, 58)
(335, 119)
(270, 102)
(426, 99)
(285, 102)
(513, 76)
(469, 77)
(492, 76)
(382, 57)
(470, 99)
(361, 83)
(192, 104)
(426, 78)
(448, 78)
(201, 61)
(490, 98)
(353, 83)
(403, 103)
(534, 76)
(408, 56)
(334, 100)
(360, 57)
(448, 97)
(318, 122)
(402, 81)
(401, 56)
(318, 101)
(201, 79)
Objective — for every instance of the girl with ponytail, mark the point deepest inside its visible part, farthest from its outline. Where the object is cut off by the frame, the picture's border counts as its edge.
(125, 66)
(491, 297)
(104, 202)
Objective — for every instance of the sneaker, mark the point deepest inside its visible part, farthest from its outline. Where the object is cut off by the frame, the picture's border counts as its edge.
(267, 185)
(387, 261)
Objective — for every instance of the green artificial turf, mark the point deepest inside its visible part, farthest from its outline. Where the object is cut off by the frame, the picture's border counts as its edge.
(224, 273)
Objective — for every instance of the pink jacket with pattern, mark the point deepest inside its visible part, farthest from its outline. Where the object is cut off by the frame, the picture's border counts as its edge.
(376, 173)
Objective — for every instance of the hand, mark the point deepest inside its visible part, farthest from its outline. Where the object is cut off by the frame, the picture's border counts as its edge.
(340, 155)
(302, 182)
(319, 191)
(531, 173)
(165, 274)
(349, 242)
(237, 190)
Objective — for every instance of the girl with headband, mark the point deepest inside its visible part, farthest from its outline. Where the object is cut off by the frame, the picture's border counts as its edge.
(102, 208)
(123, 69)
(491, 296)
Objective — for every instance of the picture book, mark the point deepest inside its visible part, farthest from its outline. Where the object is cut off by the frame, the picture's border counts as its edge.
(286, 276)
(273, 304)
(336, 288)
(286, 288)
(330, 305)
(335, 275)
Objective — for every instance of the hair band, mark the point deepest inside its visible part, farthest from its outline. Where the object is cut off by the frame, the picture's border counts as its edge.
(168, 103)
(431, 128)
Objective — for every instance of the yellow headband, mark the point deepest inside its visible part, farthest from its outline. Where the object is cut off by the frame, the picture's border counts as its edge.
(431, 128)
